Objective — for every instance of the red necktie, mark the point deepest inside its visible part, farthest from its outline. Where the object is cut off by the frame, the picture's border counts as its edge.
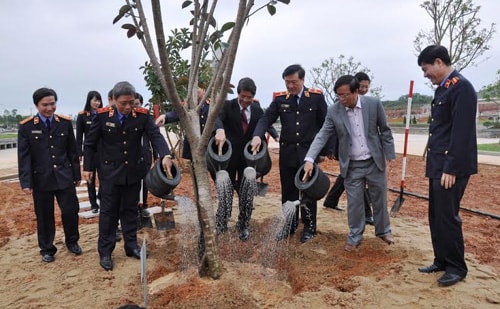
(244, 121)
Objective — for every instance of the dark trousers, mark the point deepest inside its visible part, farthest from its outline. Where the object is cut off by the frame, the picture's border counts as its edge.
(93, 195)
(446, 225)
(333, 196)
(45, 221)
(118, 202)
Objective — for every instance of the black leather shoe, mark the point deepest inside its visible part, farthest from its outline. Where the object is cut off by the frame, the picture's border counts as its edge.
(430, 269)
(369, 221)
(75, 248)
(136, 253)
(449, 279)
(95, 210)
(306, 236)
(48, 258)
(106, 263)
(244, 234)
(335, 207)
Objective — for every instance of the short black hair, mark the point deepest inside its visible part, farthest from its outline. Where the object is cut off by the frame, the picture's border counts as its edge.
(360, 76)
(42, 93)
(346, 80)
(246, 84)
(433, 52)
(139, 97)
(292, 69)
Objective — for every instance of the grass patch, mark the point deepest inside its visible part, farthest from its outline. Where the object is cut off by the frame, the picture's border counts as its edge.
(8, 135)
(489, 147)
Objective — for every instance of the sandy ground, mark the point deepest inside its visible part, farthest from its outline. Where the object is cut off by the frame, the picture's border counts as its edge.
(260, 273)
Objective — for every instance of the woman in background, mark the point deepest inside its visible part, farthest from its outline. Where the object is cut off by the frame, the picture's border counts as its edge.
(83, 121)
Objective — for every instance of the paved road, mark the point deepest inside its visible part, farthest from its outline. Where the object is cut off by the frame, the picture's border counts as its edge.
(416, 145)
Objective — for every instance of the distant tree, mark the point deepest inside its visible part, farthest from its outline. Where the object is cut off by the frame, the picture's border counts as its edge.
(456, 26)
(331, 69)
(491, 91)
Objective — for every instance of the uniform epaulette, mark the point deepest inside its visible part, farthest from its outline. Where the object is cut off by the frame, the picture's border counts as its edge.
(451, 81)
(104, 109)
(315, 90)
(141, 110)
(280, 93)
(65, 117)
(82, 112)
(26, 120)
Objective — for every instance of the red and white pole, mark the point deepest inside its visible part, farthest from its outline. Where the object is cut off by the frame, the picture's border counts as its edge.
(407, 131)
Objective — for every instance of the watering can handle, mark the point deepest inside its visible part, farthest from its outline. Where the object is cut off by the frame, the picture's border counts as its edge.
(220, 149)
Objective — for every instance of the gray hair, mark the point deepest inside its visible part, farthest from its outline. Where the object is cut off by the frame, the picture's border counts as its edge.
(123, 88)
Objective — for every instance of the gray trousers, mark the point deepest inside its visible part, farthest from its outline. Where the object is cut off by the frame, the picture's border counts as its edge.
(359, 174)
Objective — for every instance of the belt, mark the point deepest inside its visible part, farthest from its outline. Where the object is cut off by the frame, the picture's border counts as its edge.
(365, 160)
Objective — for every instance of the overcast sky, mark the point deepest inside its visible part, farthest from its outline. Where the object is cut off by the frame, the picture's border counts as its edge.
(73, 47)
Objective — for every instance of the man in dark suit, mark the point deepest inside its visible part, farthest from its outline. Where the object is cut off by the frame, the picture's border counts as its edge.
(365, 142)
(301, 111)
(451, 159)
(49, 167)
(118, 131)
(236, 123)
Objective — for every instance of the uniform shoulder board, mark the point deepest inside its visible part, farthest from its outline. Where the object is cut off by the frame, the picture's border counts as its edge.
(104, 109)
(65, 117)
(280, 93)
(141, 110)
(82, 112)
(315, 90)
(26, 120)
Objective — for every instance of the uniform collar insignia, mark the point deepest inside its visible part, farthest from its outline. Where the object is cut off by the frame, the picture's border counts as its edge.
(36, 120)
(56, 118)
(111, 112)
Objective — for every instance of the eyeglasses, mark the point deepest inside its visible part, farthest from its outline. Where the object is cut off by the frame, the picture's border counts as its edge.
(342, 96)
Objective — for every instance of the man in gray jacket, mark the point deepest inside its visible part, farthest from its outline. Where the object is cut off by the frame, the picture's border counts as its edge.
(365, 142)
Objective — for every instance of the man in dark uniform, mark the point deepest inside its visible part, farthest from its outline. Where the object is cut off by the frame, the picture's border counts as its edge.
(118, 132)
(49, 166)
(451, 159)
(236, 122)
(148, 157)
(172, 116)
(302, 112)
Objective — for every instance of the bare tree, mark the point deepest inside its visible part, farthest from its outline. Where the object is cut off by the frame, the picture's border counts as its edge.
(331, 69)
(456, 26)
(206, 34)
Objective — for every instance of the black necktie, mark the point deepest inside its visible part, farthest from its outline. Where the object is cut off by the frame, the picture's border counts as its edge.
(47, 123)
